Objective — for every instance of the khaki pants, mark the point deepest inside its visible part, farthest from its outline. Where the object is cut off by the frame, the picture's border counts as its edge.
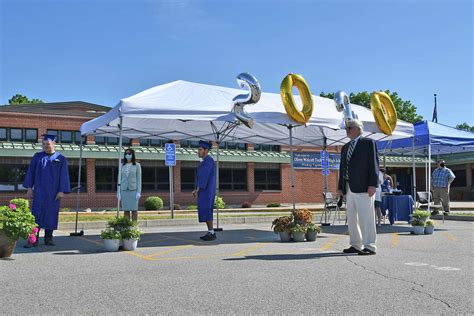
(441, 196)
(361, 220)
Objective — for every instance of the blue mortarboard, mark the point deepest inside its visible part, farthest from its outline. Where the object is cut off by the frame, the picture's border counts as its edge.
(48, 137)
(205, 145)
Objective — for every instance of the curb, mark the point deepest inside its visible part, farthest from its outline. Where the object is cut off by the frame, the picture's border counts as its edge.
(453, 218)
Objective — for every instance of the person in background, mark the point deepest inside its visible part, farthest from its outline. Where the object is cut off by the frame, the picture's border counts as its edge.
(130, 184)
(387, 183)
(440, 184)
(47, 179)
(378, 199)
(206, 189)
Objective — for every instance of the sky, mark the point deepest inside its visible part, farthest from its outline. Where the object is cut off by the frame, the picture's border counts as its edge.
(103, 50)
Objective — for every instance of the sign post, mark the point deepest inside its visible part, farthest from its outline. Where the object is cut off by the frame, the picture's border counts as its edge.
(170, 160)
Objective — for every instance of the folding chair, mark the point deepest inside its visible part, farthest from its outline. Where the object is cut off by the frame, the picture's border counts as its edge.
(423, 199)
(330, 204)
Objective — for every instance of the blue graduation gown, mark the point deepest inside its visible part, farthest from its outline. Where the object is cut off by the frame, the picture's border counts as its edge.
(206, 182)
(47, 176)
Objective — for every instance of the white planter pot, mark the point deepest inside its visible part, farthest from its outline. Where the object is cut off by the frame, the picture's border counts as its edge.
(418, 230)
(298, 237)
(429, 230)
(130, 244)
(311, 236)
(285, 236)
(112, 244)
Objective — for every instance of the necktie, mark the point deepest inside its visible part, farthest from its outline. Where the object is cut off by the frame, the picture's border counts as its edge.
(349, 155)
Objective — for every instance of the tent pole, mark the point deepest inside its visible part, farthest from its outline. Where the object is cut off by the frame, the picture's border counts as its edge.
(429, 174)
(414, 167)
(218, 229)
(292, 169)
(325, 171)
(78, 192)
(119, 176)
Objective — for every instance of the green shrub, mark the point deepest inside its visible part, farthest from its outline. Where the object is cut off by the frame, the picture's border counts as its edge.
(297, 228)
(131, 233)
(110, 233)
(192, 207)
(153, 203)
(120, 223)
(273, 205)
(418, 223)
(418, 214)
(21, 203)
(16, 221)
(219, 202)
(429, 223)
(313, 228)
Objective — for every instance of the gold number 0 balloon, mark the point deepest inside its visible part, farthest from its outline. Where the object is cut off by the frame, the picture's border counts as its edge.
(384, 112)
(286, 94)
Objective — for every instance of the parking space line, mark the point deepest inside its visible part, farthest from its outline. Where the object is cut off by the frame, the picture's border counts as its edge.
(329, 244)
(240, 253)
(174, 249)
(136, 254)
(194, 242)
(394, 240)
(450, 236)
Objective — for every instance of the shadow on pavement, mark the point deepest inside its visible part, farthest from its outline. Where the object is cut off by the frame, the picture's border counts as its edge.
(280, 257)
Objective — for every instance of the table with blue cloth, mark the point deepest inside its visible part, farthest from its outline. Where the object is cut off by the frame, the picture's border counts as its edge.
(399, 207)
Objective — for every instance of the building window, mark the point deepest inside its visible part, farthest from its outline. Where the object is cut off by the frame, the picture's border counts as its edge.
(156, 142)
(66, 137)
(102, 140)
(54, 132)
(188, 174)
(460, 180)
(233, 146)
(73, 167)
(155, 176)
(189, 143)
(267, 176)
(3, 133)
(233, 176)
(259, 147)
(106, 173)
(12, 174)
(16, 134)
(31, 135)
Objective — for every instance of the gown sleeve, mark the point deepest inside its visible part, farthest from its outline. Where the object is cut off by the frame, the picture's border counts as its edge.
(64, 183)
(29, 181)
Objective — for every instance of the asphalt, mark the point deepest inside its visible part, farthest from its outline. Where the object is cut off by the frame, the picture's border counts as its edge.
(245, 271)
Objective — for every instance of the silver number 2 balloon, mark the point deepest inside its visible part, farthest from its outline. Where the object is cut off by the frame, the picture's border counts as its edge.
(240, 101)
(343, 104)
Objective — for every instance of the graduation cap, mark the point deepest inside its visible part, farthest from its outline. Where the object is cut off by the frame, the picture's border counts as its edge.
(49, 138)
(205, 145)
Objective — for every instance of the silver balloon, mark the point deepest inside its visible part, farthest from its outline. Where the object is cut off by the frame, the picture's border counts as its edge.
(343, 104)
(240, 101)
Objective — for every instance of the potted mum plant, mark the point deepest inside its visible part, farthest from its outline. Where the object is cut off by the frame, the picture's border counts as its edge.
(298, 232)
(303, 216)
(418, 227)
(130, 237)
(281, 226)
(111, 239)
(16, 221)
(429, 227)
(420, 216)
(312, 231)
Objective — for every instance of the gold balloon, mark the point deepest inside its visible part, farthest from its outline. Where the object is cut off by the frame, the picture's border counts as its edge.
(286, 93)
(384, 112)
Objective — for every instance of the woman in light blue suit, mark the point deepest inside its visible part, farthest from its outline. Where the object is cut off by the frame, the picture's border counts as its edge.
(130, 184)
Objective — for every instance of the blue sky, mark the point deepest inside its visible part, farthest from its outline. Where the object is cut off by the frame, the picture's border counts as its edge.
(101, 51)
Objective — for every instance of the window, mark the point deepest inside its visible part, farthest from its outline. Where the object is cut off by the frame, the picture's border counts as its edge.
(102, 140)
(259, 147)
(12, 174)
(54, 132)
(155, 176)
(77, 138)
(267, 176)
(31, 135)
(73, 167)
(66, 137)
(233, 146)
(106, 173)
(189, 143)
(188, 173)
(3, 133)
(232, 176)
(460, 180)
(113, 140)
(16, 134)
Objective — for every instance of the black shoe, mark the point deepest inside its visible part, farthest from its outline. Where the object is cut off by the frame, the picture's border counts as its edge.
(434, 213)
(367, 252)
(352, 250)
(202, 237)
(209, 237)
(48, 241)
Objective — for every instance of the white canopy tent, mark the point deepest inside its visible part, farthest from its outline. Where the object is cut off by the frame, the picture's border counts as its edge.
(183, 110)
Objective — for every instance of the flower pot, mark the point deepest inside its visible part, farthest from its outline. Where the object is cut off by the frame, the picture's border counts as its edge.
(285, 236)
(311, 236)
(130, 244)
(298, 236)
(429, 230)
(6, 245)
(418, 230)
(112, 244)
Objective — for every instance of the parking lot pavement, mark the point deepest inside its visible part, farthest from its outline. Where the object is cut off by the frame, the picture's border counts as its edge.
(246, 270)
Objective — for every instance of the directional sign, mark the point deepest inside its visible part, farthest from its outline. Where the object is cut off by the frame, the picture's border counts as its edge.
(170, 155)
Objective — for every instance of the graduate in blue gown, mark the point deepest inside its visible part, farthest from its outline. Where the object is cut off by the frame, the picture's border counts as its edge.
(206, 189)
(47, 179)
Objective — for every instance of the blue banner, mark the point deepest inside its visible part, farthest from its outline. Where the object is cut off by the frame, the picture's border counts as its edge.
(312, 160)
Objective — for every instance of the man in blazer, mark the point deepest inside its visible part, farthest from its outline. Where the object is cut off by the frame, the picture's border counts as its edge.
(358, 179)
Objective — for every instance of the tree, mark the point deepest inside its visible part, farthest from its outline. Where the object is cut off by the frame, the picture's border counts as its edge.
(406, 110)
(21, 99)
(466, 127)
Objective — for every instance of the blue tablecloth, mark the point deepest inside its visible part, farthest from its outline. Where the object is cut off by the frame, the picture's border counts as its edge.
(399, 207)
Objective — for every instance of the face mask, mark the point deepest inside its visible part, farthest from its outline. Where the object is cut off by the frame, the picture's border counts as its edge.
(128, 157)
(441, 165)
